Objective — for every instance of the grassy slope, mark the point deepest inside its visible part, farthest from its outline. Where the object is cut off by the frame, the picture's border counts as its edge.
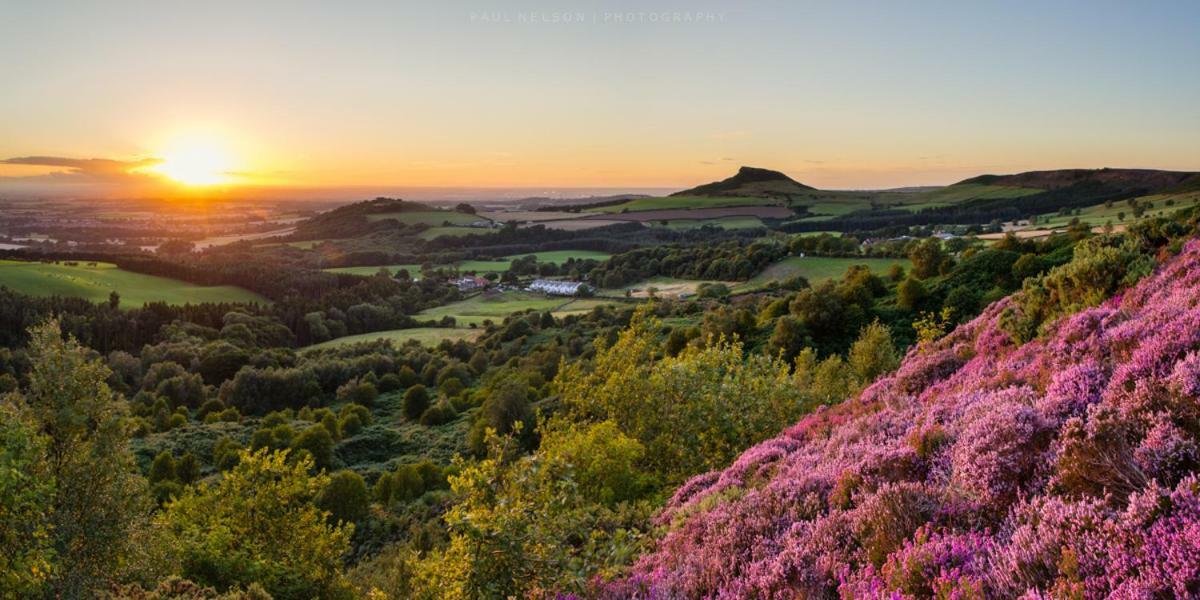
(682, 202)
(557, 257)
(1099, 214)
(96, 283)
(816, 269)
(427, 336)
(428, 217)
(480, 308)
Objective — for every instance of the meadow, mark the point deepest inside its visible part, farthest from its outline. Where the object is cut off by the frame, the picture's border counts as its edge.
(428, 217)
(557, 257)
(495, 308)
(95, 283)
(816, 269)
(426, 336)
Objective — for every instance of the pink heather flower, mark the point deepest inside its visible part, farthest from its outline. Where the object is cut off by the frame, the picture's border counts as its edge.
(843, 504)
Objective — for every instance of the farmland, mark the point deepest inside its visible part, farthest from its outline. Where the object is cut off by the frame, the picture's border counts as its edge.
(494, 308)
(426, 336)
(95, 283)
(816, 269)
(557, 257)
(428, 217)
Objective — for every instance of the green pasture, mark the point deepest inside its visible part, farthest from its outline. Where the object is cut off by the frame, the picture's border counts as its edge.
(426, 336)
(95, 283)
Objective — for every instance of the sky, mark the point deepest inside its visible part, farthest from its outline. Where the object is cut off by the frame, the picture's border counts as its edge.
(131, 98)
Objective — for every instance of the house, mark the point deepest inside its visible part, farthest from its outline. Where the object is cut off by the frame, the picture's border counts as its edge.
(557, 288)
(470, 284)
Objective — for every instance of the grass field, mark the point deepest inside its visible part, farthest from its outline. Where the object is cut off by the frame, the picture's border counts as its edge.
(427, 336)
(452, 231)
(559, 257)
(682, 202)
(428, 217)
(1099, 214)
(413, 270)
(968, 191)
(96, 283)
(665, 287)
(723, 222)
(494, 308)
(815, 269)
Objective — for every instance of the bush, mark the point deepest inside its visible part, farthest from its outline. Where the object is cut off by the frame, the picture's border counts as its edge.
(345, 497)
(416, 401)
(439, 414)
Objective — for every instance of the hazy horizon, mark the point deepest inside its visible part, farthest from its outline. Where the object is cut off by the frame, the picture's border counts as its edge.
(130, 99)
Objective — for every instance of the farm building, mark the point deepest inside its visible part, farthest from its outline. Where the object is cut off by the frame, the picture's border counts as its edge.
(557, 288)
(470, 284)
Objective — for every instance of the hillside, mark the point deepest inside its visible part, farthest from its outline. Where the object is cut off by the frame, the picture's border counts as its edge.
(1063, 467)
(750, 181)
(1144, 180)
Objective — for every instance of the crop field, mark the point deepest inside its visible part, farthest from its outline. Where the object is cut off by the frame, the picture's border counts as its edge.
(428, 217)
(724, 223)
(774, 212)
(95, 283)
(579, 224)
(816, 269)
(682, 203)
(494, 307)
(426, 336)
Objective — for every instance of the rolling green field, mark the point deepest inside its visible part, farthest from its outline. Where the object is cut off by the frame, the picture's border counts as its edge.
(413, 270)
(494, 308)
(816, 269)
(682, 202)
(966, 191)
(1099, 214)
(95, 283)
(723, 222)
(559, 257)
(482, 266)
(427, 336)
(428, 217)
(452, 231)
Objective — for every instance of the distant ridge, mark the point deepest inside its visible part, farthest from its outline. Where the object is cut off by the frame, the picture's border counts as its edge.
(750, 181)
(1150, 180)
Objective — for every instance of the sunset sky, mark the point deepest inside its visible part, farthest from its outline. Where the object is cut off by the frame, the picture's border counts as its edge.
(119, 98)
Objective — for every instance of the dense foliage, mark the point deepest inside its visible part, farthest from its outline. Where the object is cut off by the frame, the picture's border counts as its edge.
(1061, 467)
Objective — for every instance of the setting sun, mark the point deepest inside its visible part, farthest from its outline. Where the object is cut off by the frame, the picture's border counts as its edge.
(196, 162)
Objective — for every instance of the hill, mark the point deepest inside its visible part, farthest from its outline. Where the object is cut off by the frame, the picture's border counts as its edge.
(750, 181)
(1062, 467)
(1144, 180)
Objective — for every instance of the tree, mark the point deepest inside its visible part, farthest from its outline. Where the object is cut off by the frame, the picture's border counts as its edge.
(873, 353)
(416, 400)
(927, 258)
(98, 497)
(345, 497)
(260, 523)
(693, 412)
(910, 293)
(317, 442)
(26, 497)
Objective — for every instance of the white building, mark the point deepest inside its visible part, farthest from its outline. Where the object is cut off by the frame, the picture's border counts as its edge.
(557, 288)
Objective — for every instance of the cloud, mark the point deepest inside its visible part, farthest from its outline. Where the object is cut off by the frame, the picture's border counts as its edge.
(92, 168)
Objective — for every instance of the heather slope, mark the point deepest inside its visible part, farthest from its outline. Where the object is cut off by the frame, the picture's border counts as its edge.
(1061, 467)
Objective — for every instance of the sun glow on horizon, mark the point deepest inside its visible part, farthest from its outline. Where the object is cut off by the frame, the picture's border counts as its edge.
(196, 162)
